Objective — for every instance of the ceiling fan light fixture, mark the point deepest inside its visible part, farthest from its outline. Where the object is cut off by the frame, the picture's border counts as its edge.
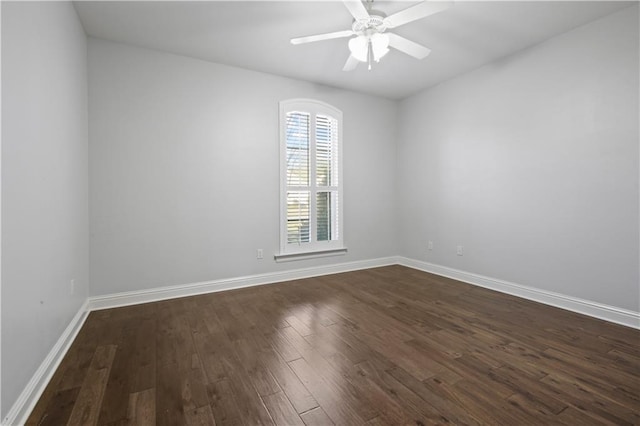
(359, 48)
(379, 45)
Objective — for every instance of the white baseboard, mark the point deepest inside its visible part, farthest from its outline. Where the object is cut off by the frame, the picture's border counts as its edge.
(27, 400)
(171, 292)
(574, 304)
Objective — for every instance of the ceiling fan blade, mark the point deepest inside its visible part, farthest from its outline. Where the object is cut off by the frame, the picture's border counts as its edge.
(356, 9)
(407, 46)
(413, 13)
(320, 37)
(351, 63)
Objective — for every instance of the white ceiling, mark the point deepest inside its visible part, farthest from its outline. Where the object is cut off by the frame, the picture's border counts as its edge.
(255, 35)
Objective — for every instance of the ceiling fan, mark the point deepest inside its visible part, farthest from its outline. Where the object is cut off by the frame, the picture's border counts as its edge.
(369, 27)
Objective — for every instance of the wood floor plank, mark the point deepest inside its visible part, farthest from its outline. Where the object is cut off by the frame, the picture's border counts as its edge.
(89, 401)
(298, 325)
(574, 416)
(281, 410)
(169, 408)
(538, 394)
(210, 348)
(498, 408)
(331, 376)
(415, 408)
(201, 416)
(142, 408)
(291, 385)
(79, 360)
(261, 377)
(445, 407)
(533, 407)
(591, 402)
(194, 390)
(483, 413)
(316, 417)
(251, 407)
(382, 346)
(223, 403)
(402, 354)
(144, 358)
(282, 345)
(328, 344)
(115, 402)
(621, 343)
(59, 408)
(322, 392)
(600, 369)
(391, 412)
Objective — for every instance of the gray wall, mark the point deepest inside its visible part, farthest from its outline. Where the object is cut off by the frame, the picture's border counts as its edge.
(531, 163)
(44, 183)
(184, 166)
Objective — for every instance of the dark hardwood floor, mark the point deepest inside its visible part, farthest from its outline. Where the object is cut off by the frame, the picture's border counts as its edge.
(381, 347)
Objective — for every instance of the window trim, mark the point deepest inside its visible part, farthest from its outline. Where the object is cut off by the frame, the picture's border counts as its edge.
(309, 255)
(313, 248)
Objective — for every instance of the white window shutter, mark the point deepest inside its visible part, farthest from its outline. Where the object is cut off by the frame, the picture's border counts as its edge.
(311, 186)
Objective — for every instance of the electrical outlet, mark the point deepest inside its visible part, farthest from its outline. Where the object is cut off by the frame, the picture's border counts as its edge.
(259, 254)
(72, 287)
(459, 250)
(430, 245)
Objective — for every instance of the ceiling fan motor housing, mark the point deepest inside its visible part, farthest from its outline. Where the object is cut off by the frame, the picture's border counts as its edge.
(375, 22)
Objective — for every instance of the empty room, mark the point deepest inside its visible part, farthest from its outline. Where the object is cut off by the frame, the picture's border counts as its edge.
(320, 213)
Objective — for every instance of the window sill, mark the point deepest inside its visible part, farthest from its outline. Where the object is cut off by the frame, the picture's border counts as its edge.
(288, 257)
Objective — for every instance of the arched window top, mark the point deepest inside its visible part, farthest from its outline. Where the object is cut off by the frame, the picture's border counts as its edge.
(310, 104)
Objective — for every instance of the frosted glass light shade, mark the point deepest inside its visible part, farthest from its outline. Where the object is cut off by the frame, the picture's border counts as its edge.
(358, 47)
(379, 45)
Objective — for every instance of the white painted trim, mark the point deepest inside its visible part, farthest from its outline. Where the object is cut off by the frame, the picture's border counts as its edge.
(586, 307)
(289, 257)
(27, 400)
(171, 292)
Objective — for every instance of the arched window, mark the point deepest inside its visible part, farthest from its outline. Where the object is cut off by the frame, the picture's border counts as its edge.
(310, 179)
